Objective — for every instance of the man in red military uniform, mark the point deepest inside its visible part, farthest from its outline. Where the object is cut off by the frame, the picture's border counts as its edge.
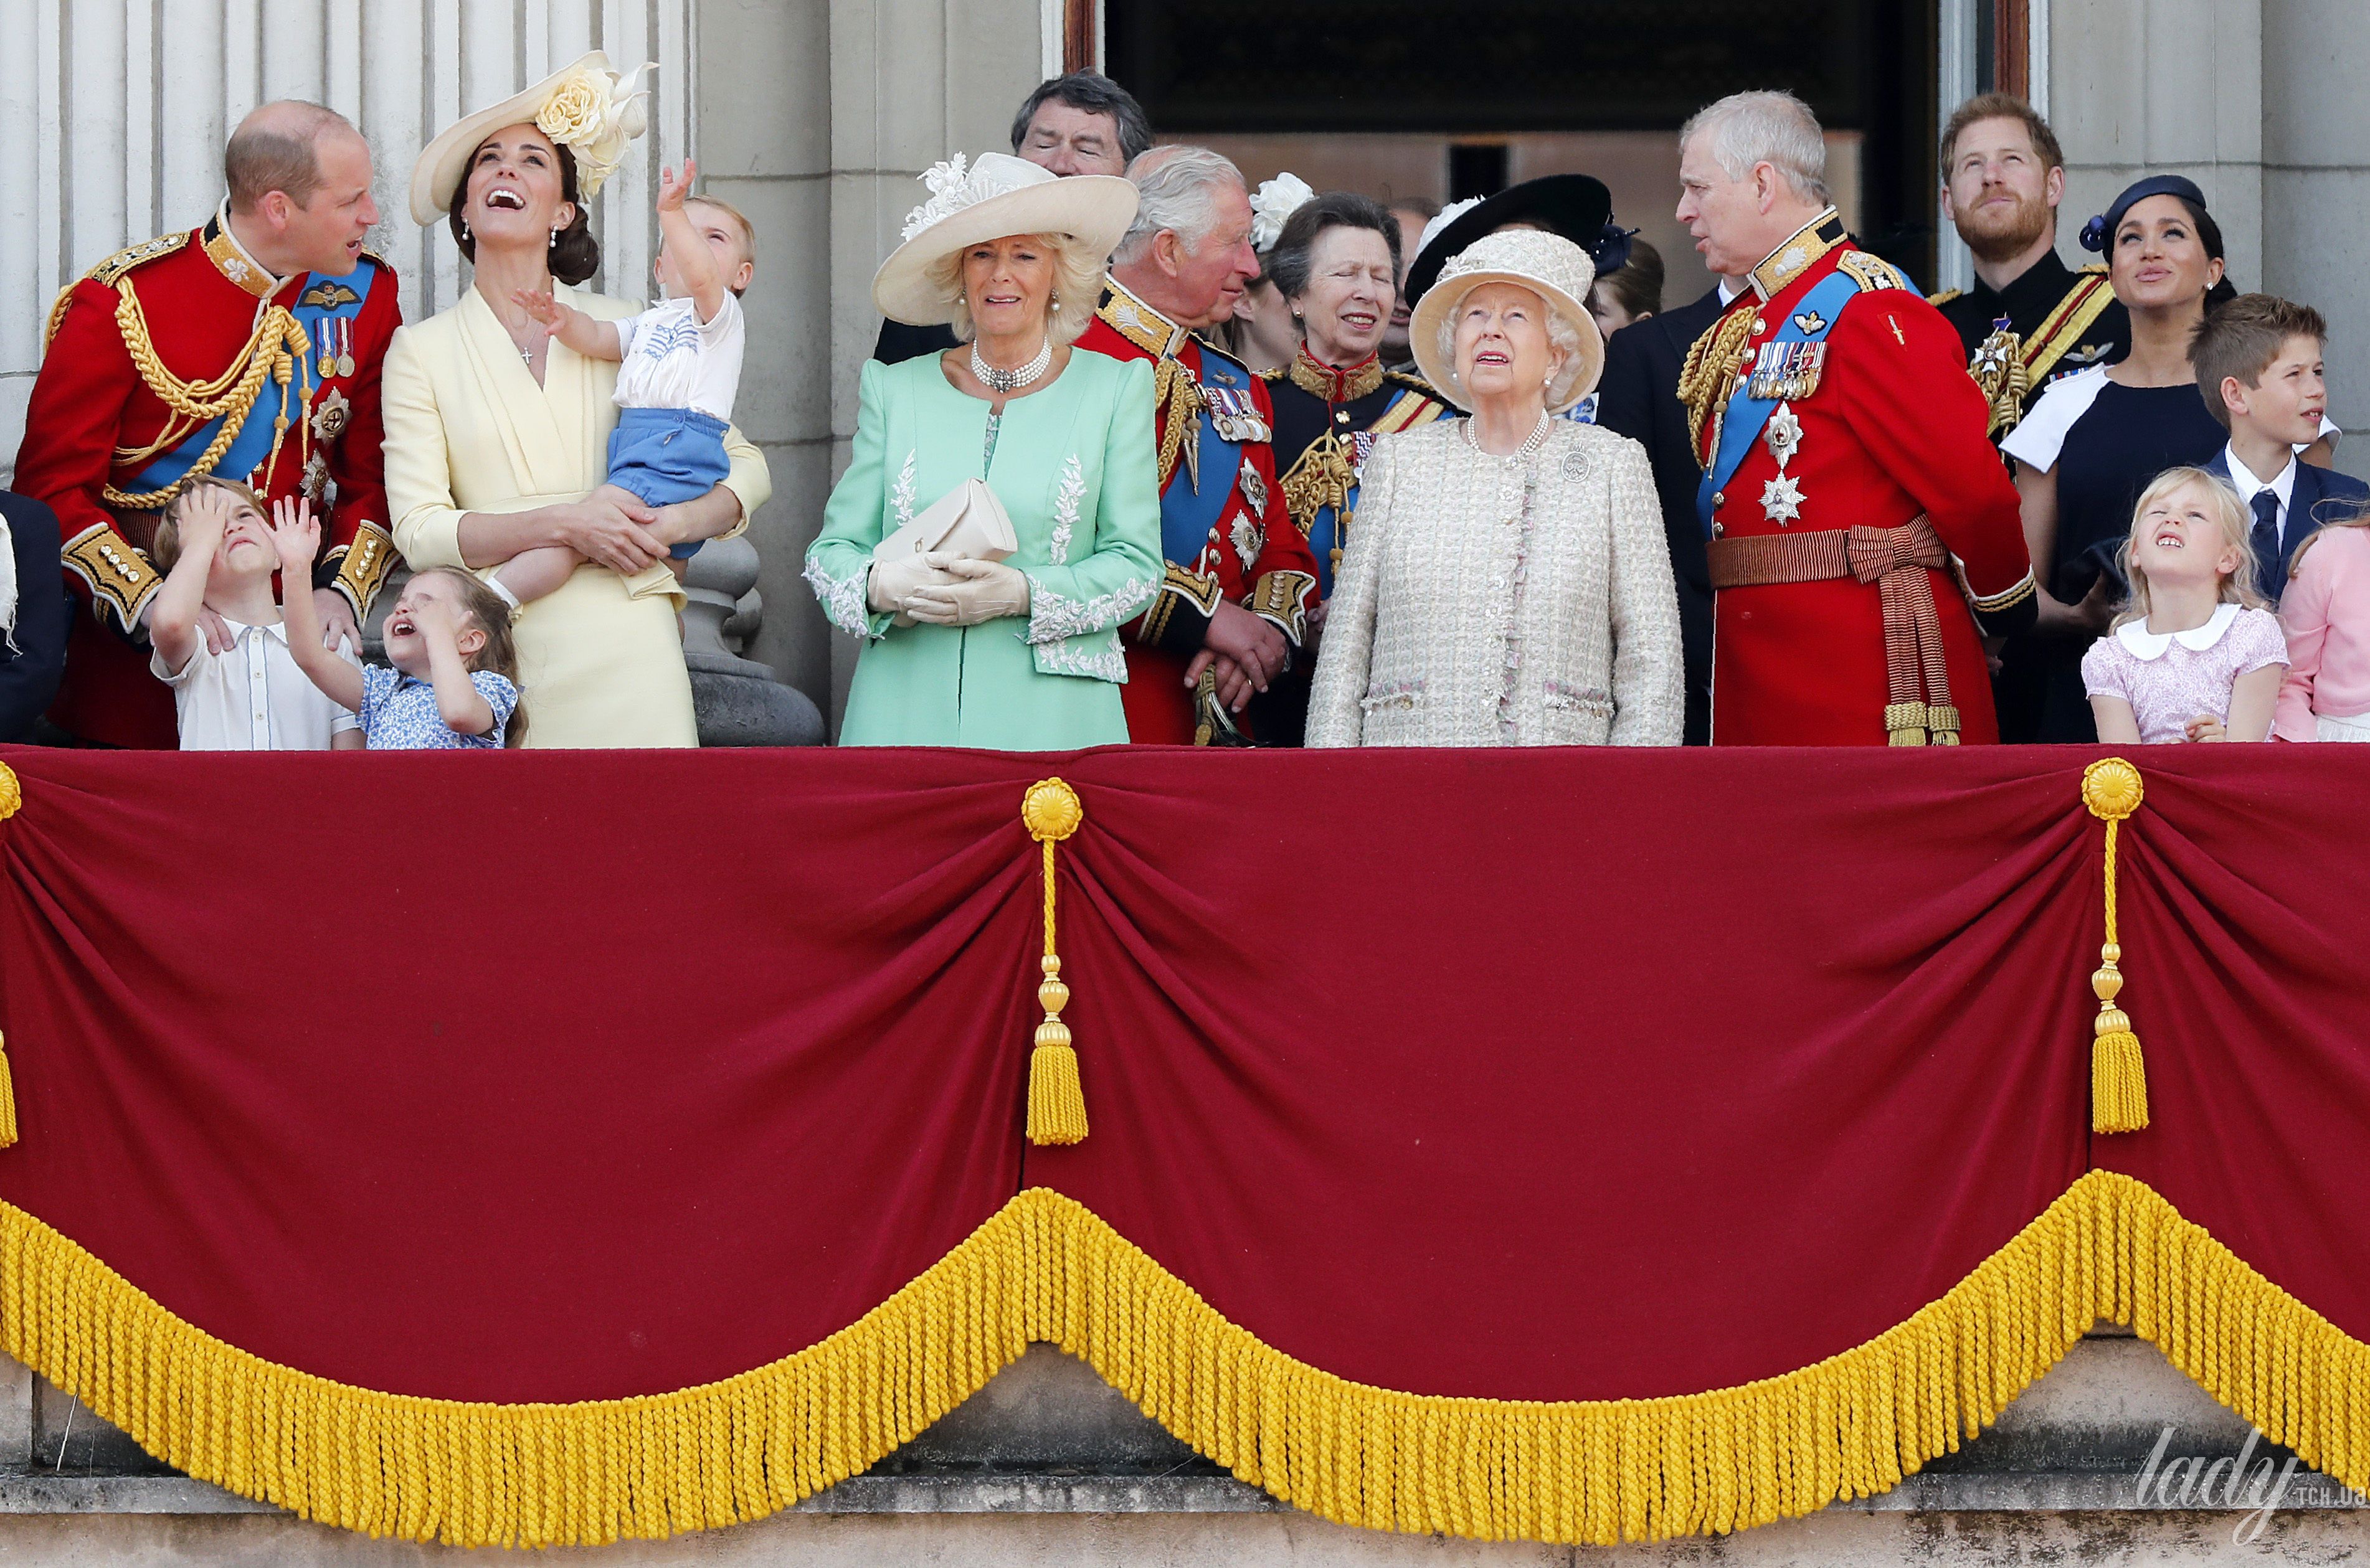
(248, 347)
(1859, 526)
(1233, 607)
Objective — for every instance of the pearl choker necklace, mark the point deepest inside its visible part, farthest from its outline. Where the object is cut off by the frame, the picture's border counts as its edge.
(996, 380)
(1531, 443)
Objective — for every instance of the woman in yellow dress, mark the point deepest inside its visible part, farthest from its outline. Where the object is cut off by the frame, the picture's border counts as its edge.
(496, 433)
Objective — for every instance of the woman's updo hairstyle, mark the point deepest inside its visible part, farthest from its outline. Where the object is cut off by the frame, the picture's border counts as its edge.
(575, 254)
(1289, 263)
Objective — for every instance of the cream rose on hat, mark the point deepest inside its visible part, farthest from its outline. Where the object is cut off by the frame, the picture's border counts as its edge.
(586, 107)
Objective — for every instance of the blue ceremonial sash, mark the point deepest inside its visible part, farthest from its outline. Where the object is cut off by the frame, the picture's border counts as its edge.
(336, 299)
(1742, 424)
(1325, 526)
(1187, 515)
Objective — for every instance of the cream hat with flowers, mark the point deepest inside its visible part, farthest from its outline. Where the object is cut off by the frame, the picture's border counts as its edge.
(1551, 267)
(997, 196)
(586, 107)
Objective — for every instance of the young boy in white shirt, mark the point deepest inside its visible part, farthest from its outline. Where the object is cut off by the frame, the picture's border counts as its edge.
(679, 370)
(217, 556)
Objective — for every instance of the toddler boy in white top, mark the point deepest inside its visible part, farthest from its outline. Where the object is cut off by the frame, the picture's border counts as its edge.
(679, 368)
(218, 638)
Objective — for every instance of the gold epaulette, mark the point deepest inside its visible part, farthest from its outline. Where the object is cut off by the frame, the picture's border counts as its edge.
(1944, 297)
(109, 271)
(1273, 375)
(1414, 383)
(1872, 273)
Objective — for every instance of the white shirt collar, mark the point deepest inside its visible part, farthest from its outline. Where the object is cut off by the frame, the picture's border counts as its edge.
(1728, 289)
(2144, 644)
(2243, 480)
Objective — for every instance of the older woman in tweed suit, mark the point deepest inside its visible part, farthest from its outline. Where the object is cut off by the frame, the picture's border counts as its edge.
(1509, 584)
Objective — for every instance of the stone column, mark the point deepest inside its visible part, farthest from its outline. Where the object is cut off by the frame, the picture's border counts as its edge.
(2163, 86)
(2317, 186)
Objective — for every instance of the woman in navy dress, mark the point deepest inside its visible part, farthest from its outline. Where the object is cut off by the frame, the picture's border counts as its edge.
(2095, 439)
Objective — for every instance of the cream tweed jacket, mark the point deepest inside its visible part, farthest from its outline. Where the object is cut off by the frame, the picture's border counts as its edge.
(1502, 601)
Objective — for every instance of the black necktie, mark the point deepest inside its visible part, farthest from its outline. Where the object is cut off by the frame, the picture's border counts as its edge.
(2266, 540)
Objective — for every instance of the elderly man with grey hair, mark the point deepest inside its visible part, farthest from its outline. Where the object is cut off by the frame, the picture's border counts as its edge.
(1862, 537)
(1233, 607)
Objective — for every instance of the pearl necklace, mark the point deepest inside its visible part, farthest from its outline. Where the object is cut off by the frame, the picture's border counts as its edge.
(996, 380)
(1531, 443)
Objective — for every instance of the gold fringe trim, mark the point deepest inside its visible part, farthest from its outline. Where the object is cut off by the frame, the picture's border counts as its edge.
(1045, 1268)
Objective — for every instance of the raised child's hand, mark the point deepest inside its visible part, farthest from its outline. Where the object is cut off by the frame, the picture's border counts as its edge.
(543, 306)
(203, 516)
(296, 537)
(435, 615)
(673, 187)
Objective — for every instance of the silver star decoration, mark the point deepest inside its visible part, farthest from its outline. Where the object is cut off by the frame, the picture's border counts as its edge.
(1781, 500)
(1784, 435)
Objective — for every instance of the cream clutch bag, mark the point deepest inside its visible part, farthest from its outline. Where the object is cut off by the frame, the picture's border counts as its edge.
(968, 520)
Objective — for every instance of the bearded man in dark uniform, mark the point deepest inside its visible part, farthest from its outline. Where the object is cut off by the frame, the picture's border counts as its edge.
(2030, 318)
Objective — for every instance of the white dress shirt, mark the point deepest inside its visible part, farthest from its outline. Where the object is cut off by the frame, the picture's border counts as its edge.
(253, 698)
(2243, 480)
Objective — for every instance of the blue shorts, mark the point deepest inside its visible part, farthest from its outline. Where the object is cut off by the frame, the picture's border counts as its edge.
(666, 455)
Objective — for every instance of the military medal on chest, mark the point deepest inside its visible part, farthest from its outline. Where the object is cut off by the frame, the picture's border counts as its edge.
(1248, 535)
(1781, 499)
(1236, 414)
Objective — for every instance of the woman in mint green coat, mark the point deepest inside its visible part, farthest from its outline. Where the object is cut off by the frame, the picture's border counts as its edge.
(1021, 655)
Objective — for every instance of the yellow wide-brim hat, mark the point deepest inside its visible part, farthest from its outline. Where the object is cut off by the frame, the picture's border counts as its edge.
(997, 196)
(584, 107)
(1551, 267)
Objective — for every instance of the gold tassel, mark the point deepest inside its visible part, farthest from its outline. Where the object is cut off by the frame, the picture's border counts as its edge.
(2110, 788)
(7, 1100)
(1057, 1105)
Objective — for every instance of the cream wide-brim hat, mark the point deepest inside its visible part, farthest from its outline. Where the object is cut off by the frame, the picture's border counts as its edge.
(1551, 267)
(999, 195)
(436, 177)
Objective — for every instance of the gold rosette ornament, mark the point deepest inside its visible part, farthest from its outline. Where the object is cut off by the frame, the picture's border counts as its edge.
(1057, 1105)
(2110, 788)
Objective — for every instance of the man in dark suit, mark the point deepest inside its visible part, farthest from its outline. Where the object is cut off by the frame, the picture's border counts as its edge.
(1637, 397)
(33, 617)
(1081, 123)
(2259, 368)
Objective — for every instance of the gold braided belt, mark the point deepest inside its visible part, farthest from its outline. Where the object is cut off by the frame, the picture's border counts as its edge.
(1896, 560)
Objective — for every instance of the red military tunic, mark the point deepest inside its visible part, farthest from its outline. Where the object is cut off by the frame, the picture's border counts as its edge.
(1892, 429)
(1225, 529)
(197, 308)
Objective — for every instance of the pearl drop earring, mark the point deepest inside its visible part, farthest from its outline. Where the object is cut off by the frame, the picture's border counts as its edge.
(555, 239)
(465, 230)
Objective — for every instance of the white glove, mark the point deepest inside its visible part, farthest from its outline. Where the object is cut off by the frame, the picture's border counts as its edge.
(983, 590)
(894, 582)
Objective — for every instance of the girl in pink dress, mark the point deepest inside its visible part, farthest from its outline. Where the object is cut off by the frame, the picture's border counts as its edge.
(2194, 655)
(2326, 614)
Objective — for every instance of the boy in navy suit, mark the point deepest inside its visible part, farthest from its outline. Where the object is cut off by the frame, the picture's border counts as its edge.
(2259, 368)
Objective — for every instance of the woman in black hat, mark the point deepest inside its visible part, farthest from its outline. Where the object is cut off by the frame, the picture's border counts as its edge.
(2097, 437)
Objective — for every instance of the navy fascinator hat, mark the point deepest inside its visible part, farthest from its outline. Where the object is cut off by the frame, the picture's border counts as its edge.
(2100, 229)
